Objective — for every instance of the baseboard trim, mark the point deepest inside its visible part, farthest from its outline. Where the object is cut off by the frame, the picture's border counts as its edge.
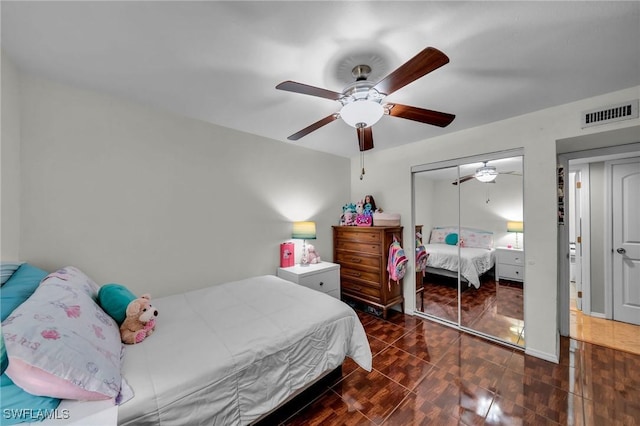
(543, 355)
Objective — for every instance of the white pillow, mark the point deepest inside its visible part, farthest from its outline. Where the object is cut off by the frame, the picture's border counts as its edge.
(61, 344)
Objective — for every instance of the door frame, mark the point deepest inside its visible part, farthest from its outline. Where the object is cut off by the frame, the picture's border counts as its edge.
(564, 285)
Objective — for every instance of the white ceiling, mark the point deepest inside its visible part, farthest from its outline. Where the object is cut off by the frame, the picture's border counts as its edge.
(220, 61)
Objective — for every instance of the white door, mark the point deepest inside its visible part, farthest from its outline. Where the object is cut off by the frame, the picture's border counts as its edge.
(626, 240)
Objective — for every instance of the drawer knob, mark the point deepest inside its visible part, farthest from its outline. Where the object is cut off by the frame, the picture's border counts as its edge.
(321, 283)
(355, 274)
(356, 259)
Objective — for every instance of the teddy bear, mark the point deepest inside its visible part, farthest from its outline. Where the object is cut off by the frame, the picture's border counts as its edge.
(140, 320)
(312, 254)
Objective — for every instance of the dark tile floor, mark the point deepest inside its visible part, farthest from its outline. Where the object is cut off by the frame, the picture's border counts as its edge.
(425, 373)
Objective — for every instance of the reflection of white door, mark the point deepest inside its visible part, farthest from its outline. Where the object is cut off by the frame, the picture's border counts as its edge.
(626, 239)
(577, 240)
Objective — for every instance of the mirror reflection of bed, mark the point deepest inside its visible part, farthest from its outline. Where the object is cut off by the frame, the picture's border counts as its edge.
(463, 228)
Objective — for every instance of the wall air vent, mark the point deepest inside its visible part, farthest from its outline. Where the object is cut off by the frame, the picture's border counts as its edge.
(610, 114)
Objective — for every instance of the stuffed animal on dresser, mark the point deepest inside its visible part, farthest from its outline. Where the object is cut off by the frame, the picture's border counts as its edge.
(140, 320)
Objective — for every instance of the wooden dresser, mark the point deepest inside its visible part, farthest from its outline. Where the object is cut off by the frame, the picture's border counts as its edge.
(362, 253)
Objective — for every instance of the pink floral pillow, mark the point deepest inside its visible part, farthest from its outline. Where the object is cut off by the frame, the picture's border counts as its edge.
(477, 238)
(61, 344)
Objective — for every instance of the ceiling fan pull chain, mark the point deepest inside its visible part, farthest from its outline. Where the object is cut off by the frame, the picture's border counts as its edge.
(362, 164)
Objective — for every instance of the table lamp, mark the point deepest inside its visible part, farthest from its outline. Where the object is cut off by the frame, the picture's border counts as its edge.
(304, 231)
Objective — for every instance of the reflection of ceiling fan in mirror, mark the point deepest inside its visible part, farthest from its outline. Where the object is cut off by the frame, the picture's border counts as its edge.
(485, 174)
(361, 101)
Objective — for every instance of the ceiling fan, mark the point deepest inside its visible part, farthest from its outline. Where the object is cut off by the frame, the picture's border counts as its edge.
(485, 174)
(361, 101)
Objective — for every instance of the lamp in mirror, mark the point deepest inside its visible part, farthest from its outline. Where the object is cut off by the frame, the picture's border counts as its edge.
(517, 227)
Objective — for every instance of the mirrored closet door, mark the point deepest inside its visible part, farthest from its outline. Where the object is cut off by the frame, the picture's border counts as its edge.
(436, 206)
(469, 217)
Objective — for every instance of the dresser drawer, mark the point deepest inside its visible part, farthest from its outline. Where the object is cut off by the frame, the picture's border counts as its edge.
(358, 247)
(374, 277)
(324, 282)
(361, 290)
(360, 236)
(350, 260)
(510, 272)
(512, 257)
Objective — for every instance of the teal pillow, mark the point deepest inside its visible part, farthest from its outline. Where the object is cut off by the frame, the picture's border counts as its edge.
(19, 288)
(7, 269)
(4, 360)
(114, 299)
(451, 239)
(19, 406)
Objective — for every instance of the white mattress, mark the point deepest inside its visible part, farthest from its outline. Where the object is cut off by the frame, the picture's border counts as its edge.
(229, 353)
(474, 261)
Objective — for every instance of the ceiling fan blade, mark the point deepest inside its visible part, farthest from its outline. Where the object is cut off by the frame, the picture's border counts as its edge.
(463, 179)
(436, 118)
(423, 63)
(365, 138)
(314, 126)
(305, 89)
(511, 173)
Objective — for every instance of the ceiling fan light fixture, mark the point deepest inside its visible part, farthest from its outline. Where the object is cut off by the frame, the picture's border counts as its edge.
(486, 174)
(362, 111)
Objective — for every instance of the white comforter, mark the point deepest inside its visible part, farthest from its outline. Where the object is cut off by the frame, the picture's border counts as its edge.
(474, 261)
(229, 353)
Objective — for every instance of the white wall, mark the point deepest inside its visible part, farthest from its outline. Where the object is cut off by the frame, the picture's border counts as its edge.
(388, 178)
(10, 163)
(159, 202)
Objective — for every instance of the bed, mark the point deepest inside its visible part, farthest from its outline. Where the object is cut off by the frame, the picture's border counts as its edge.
(231, 353)
(475, 257)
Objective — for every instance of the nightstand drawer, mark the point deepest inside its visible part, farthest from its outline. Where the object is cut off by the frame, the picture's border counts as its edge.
(324, 282)
(323, 277)
(510, 272)
(512, 257)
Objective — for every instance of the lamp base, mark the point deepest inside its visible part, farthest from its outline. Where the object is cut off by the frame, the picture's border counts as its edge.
(304, 259)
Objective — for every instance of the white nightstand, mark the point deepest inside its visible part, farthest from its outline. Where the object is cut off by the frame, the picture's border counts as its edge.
(509, 264)
(324, 277)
